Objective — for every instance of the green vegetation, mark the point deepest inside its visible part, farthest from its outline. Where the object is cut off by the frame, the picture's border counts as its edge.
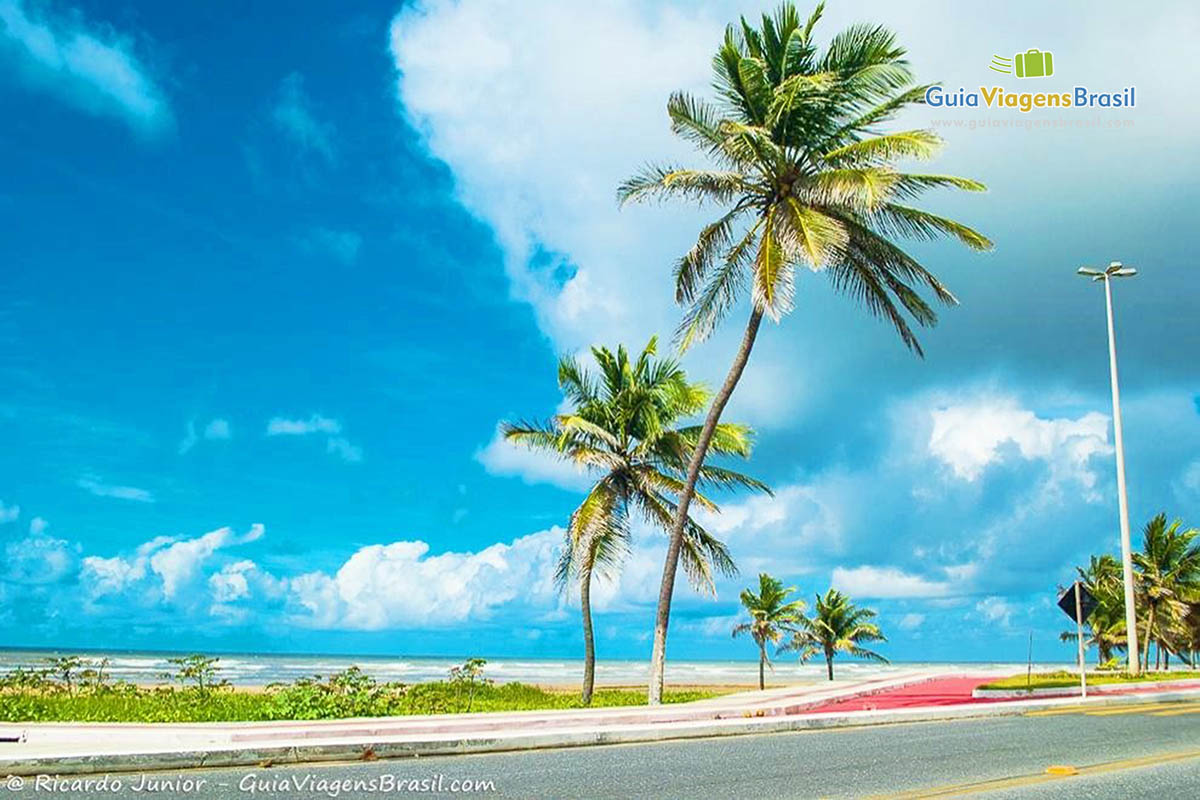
(53, 694)
(836, 625)
(805, 181)
(623, 425)
(1166, 593)
(771, 615)
(1053, 680)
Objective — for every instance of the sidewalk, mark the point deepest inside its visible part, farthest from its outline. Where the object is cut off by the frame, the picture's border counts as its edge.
(111, 747)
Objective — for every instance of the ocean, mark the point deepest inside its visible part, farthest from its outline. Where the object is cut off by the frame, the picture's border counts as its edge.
(259, 669)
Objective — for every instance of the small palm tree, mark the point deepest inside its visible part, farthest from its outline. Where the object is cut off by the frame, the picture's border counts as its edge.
(837, 626)
(1106, 624)
(624, 427)
(806, 181)
(771, 615)
(1169, 580)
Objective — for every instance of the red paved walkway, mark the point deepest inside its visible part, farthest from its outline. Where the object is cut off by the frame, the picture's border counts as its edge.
(938, 692)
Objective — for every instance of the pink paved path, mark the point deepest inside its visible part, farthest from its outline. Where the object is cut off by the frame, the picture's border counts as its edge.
(937, 692)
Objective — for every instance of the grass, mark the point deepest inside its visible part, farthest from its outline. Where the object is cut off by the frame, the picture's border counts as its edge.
(1055, 680)
(131, 704)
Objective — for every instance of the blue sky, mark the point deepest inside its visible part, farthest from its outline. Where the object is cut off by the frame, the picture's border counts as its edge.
(271, 278)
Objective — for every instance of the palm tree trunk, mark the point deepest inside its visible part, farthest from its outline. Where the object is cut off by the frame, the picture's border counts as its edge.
(829, 664)
(658, 659)
(589, 644)
(762, 662)
(1146, 646)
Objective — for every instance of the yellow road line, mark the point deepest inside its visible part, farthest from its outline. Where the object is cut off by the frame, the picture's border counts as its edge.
(1138, 709)
(1103, 711)
(1177, 711)
(961, 789)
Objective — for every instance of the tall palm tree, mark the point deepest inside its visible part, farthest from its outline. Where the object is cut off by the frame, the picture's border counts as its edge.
(771, 615)
(624, 427)
(1169, 578)
(836, 626)
(806, 179)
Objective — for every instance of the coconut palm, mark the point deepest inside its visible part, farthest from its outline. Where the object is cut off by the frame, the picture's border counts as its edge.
(1168, 568)
(771, 615)
(1106, 624)
(624, 427)
(836, 626)
(805, 180)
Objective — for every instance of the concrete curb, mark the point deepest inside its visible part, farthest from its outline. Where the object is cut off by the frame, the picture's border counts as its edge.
(372, 748)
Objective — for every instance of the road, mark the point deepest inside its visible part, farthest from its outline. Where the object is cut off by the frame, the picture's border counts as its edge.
(1149, 750)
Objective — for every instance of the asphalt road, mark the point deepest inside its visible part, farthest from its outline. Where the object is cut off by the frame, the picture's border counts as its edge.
(1150, 751)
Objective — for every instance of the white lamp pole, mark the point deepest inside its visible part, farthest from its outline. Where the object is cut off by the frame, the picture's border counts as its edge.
(1116, 270)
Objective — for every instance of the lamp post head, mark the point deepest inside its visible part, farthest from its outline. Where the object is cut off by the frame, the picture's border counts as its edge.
(1114, 270)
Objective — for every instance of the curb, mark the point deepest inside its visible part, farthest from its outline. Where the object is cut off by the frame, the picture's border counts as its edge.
(370, 749)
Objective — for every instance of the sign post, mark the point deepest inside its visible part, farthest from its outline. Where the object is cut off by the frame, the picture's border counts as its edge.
(1078, 603)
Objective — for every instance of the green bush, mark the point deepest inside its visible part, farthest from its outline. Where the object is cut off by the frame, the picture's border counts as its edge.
(80, 692)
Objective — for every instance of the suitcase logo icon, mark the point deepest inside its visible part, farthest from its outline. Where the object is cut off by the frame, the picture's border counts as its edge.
(1033, 63)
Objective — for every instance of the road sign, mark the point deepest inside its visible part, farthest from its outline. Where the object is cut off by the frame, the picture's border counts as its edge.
(1087, 603)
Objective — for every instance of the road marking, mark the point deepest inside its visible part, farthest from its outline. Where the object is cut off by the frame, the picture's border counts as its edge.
(1108, 711)
(1176, 712)
(961, 789)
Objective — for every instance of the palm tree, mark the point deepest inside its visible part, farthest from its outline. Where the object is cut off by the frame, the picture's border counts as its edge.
(623, 426)
(1106, 623)
(837, 626)
(771, 615)
(805, 179)
(1169, 579)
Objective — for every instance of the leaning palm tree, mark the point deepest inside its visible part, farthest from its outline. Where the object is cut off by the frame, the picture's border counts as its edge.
(624, 427)
(771, 615)
(836, 626)
(805, 179)
(1169, 579)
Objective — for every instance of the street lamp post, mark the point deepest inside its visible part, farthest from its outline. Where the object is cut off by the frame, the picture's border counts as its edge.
(1117, 270)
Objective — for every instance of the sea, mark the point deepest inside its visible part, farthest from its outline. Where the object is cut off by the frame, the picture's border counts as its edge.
(260, 669)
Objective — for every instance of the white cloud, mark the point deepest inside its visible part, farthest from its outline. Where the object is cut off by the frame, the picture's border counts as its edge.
(343, 449)
(8, 513)
(502, 457)
(334, 444)
(342, 245)
(996, 610)
(970, 434)
(293, 116)
(93, 484)
(172, 564)
(911, 621)
(280, 426)
(890, 582)
(402, 585)
(217, 429)
(39, 559)
(37, 526)
(90, 67)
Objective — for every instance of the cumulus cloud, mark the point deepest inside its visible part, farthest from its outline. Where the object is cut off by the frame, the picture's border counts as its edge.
(890, 582)
(8, 513)
(94, 485)
(88, 65)
(162, 567)
(402, 585)
(294, 117)
(911, 621)
(502, 457)
(39, 559)
(217, 429)
(995, 610)
(969, 436)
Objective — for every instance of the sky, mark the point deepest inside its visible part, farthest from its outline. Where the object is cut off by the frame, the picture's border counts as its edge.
(271, 277)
